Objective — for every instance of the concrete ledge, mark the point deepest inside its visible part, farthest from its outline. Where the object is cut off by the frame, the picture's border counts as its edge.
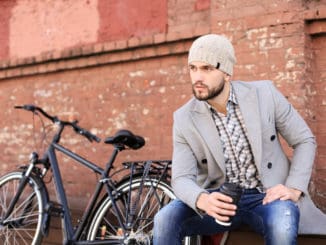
(246, 236)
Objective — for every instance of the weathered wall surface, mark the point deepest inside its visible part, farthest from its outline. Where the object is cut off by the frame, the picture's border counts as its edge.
(118, 64)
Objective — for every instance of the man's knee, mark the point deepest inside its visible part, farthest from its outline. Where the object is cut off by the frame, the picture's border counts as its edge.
(283, 212)
(283, 221)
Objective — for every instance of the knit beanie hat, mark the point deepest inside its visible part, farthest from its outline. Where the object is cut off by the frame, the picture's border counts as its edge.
(215, 50)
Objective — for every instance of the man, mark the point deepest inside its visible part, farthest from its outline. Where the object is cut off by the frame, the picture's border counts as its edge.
(230, 133)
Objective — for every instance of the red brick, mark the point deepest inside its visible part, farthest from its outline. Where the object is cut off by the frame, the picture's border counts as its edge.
(202, 5)
(121, 44)
(172, 36)
(108, 46)
(201, 29)
(164, 50)
(13, 72)
(159, 38)
(133, 42)
(146, 40)
(120, 20)
(88, 49)
(98, 47)
(316, 27)
(5, 13)
(316, 13)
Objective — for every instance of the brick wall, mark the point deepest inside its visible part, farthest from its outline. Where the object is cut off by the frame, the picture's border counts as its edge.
(78, 60)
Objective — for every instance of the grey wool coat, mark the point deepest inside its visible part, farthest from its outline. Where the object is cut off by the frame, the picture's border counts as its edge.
(198, 162)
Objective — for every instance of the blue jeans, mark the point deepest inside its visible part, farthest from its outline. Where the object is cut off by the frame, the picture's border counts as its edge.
(277, 222)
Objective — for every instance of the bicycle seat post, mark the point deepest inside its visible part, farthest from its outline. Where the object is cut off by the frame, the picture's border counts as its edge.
(109, 164)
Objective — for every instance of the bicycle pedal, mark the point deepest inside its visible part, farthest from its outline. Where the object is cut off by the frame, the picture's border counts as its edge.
(54, 209)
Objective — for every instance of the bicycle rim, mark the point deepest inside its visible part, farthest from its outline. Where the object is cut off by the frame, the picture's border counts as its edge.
(23, 226)
(105, 225)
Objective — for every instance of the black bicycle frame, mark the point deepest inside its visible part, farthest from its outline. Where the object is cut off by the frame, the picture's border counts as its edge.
(49, 160)
(72, 236)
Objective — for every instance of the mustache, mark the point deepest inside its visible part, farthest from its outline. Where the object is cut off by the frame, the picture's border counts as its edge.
(199, 83)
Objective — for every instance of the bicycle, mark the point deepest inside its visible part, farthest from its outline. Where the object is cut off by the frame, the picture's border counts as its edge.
(122, 215)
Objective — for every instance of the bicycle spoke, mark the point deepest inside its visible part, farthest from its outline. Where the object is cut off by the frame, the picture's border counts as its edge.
(146, 203)
(143, 212)
(150, 205)
(20, 209)
(22, 238)
(4, 197)
(23, 226)
(107, 222)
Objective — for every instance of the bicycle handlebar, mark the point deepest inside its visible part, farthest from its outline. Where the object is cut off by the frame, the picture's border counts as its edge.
(55, 119)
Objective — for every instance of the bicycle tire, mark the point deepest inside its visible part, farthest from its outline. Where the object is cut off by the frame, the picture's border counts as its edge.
(105, 226)
(24, 225)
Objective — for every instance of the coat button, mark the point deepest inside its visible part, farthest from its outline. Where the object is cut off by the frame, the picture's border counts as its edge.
(273, 137)
(269, 165)
(204, 161)
(213, 182)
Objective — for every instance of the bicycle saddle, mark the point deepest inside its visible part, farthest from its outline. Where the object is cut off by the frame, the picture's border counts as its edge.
(127, 138)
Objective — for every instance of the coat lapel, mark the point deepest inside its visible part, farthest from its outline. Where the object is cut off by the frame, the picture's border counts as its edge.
(206, 127)
(248, 102)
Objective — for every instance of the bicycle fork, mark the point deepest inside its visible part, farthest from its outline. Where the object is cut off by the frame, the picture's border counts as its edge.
(19, 191)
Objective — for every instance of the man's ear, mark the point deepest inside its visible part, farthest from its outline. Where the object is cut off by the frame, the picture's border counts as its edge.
(227, 77)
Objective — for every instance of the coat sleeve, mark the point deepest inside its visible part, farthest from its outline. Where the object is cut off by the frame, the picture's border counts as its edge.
(184, 168)
(298, 135)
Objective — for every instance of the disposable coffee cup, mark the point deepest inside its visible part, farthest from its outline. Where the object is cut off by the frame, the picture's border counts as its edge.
(233, 191)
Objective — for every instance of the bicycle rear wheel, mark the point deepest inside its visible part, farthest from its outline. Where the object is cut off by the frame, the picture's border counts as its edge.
(154, 196)
(23, 226)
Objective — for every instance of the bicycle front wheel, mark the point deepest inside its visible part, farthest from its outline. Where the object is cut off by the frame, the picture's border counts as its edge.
(23, 226)
(105, 224)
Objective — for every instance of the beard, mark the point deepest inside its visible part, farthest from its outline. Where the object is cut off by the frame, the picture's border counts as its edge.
(211, 92)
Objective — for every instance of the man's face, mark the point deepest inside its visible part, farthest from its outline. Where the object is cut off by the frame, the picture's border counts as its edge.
(207, 81)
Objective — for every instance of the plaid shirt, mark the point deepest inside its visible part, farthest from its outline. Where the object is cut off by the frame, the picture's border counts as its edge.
(239, 160)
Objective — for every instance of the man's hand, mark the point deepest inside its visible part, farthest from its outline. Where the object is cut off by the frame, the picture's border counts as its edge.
(217, 205)
(281, 192)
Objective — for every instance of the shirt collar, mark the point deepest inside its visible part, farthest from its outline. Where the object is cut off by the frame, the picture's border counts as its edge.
(232, 96)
